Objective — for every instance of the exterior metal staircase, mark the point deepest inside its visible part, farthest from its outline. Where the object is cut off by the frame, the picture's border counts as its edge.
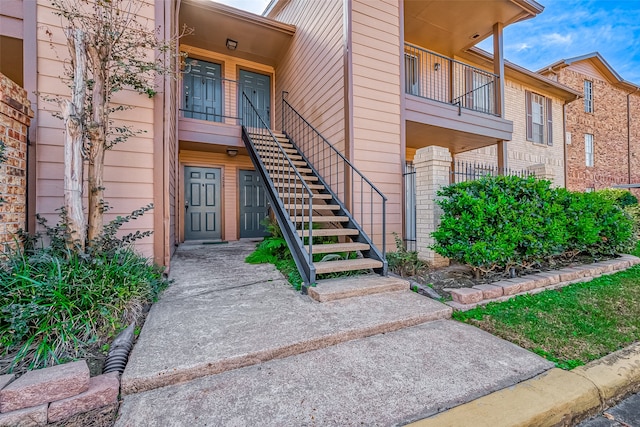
(305, 188)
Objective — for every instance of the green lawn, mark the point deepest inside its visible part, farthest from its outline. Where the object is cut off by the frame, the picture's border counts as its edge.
(572, 325)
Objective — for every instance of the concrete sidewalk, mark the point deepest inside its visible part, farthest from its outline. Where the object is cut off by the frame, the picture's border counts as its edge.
(232, 344)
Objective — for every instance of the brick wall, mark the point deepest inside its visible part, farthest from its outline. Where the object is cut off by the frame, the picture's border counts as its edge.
(525, 154)
(608, 125)
(15, 115)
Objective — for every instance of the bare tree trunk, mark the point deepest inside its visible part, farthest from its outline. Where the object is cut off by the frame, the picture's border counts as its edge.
(96, 189)
(74, 138)
(97, 141)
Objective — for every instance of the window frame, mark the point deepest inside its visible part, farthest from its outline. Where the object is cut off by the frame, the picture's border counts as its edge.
(546, 117)
(589, 155)
(588, 96)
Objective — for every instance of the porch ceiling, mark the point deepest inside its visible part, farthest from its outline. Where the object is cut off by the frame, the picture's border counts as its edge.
(421, 135)
(451, 26)
(260, 39)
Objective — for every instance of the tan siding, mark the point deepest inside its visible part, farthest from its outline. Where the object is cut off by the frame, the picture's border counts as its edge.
(128, 182)
(312, 69)
(376, 101)
(587, 69)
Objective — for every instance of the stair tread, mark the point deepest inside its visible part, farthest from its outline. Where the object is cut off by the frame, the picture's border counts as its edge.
(346, 265)
(316, 207)
(304, 195)
(338, 247)
(322, 218)
(280, 176)
(326, 232)
(278, 154)
(295, 183)
(301, 171)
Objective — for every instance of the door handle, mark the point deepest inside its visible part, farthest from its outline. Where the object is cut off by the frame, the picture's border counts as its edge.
(186, 205)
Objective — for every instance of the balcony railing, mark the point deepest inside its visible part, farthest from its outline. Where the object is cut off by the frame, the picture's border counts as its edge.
(212, 99)
(436, 77)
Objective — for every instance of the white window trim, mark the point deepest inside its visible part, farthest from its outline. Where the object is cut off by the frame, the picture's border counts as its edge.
(589, 150)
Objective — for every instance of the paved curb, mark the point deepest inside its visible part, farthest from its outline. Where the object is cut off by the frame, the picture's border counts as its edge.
(555, 398)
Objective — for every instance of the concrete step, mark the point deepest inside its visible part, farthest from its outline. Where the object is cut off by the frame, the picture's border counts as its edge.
(184, 339)
(329, 248)
(324, 267)
(382, 380)
(357, 286)
(326, 232)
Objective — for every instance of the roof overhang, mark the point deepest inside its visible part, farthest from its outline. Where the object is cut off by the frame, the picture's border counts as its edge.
(521, 74)
(599, 63)
(260, 39)
(451, 26)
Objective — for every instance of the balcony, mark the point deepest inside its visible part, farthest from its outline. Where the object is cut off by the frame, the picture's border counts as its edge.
(436, 77)
(450, 103)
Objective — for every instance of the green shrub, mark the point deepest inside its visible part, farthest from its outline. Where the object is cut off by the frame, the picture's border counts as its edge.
(634, 213)
(403, 262)
(508, 221)
(618, 196)
(55, 303)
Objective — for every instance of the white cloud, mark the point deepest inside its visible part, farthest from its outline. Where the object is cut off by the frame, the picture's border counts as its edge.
(522, 46)
(556, 38)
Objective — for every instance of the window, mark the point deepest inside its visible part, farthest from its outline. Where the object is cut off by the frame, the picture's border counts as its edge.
(588, 149)
(539, 118)
(588, 96)
(411, 74)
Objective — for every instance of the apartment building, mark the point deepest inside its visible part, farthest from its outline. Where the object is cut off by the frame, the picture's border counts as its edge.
(315, 107)
(603, 130)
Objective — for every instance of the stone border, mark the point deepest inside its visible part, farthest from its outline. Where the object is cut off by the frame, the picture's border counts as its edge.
(467, 298)
(54, 394)
(554, 398)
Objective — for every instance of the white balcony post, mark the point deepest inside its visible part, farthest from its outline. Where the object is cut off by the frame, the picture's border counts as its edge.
(433, 170)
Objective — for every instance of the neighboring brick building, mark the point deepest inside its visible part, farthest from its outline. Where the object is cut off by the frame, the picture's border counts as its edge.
(15, 114)
(603, 130)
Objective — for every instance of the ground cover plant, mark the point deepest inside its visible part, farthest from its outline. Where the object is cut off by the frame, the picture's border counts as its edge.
(57, 305)
(508, 223)
(274, 250)
(403, 262)
(572, 325)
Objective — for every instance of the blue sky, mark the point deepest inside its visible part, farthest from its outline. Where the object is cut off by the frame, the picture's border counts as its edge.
(569, 28)
(565, 29)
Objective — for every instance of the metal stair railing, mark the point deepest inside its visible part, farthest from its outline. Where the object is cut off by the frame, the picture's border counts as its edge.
(286, 186)
(361, 200)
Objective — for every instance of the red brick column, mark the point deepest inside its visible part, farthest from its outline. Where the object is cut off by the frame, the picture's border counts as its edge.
(15, 117)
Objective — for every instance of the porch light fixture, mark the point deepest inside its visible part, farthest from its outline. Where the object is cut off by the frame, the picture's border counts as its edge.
(436, 66)
(232, 44)
(232, 152)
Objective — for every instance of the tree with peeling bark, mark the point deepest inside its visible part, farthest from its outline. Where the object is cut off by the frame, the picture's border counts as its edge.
(112, 48)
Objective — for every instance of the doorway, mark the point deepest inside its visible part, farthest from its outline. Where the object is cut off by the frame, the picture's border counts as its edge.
(258, 90)
(253, 205)
(202, 203)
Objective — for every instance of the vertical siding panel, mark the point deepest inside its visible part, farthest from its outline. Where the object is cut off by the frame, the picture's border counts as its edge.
(376, 102)
(135, 183)
(312, 69)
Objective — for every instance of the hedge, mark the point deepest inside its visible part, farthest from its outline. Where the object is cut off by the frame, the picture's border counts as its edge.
(507, 221)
